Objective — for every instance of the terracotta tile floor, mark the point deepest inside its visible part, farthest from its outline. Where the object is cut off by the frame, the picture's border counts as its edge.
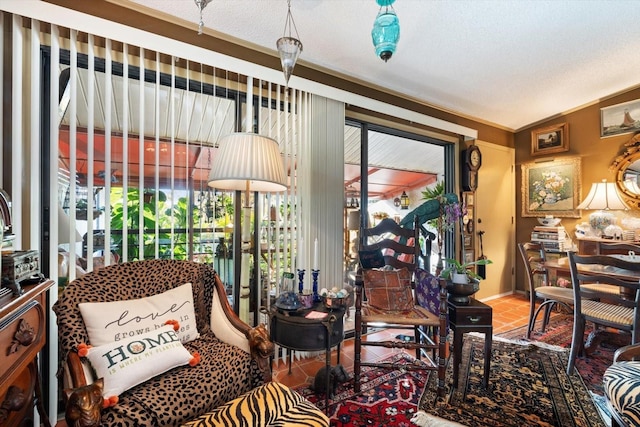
(509, 312)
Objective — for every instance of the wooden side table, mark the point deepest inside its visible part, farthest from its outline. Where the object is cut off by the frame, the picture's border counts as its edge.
(473, 317)
(293, 331)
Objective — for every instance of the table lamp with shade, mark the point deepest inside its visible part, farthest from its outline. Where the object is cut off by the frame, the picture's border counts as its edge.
(247, 162)
(602, 198)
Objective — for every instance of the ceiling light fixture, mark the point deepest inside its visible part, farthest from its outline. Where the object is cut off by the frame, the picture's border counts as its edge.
(404, 201)
(201, 5)
(386, 30)
(289, 47)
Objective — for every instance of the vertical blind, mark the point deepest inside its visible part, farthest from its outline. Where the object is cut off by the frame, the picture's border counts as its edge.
(128, 139)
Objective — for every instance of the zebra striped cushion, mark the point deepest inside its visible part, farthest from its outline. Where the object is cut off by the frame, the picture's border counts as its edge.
(269, 405)
(622, 388)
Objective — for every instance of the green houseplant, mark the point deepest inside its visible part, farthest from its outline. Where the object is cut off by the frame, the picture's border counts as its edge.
(455, 267)
(462, 280)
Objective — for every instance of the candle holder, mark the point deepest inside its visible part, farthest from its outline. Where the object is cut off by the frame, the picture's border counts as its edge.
(314, 274)
(300, 280)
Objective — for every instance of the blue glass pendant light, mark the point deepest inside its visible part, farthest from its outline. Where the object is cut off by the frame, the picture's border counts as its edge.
(386, 30)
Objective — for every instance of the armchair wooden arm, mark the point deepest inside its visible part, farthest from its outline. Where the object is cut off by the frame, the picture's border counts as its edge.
(629, 352)
(75, 370)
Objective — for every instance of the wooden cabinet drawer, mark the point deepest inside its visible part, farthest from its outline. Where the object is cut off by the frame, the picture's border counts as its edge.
(22, 335)
(476, 313)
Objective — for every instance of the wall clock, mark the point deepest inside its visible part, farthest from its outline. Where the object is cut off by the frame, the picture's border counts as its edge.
(470, 162)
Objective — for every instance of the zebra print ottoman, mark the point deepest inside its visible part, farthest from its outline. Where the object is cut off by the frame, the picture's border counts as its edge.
(622, 388)
(269, 405)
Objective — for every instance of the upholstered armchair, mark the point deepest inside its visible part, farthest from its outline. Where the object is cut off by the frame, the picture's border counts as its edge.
(232, 358)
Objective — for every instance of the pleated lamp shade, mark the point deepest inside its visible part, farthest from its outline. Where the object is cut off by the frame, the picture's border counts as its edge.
(603, 196)
(248, 158)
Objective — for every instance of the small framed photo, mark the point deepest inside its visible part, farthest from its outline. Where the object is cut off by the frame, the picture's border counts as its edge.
(620, 118)
(467, 241)
(468, 256)
(550, 139)
(468, 199)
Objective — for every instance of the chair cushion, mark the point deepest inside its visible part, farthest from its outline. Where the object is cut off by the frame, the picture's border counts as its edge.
(621, 383)
(388, 289)
(271, 404)
(609, 312)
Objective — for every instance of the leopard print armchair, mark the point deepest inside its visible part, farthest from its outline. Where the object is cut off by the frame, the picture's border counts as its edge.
(234, 356)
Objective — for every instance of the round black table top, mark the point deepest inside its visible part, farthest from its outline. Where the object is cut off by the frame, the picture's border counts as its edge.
(310, 315)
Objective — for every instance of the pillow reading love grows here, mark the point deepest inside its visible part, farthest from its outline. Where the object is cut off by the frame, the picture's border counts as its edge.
(114, 321)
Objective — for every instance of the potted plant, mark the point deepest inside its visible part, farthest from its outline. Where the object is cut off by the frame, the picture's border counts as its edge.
(462, 280)
(459, 272)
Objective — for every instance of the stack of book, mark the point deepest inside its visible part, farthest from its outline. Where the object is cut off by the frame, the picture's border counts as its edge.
(552, 238)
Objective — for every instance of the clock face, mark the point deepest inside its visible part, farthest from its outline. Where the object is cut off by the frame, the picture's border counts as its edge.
(474, 158)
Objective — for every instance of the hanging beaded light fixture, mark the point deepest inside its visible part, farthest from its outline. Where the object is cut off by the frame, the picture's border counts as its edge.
(201, 5)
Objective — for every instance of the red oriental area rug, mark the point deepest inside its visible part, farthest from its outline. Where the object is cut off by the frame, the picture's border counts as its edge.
(388, 398)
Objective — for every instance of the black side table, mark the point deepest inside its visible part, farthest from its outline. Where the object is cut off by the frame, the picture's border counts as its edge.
(473, 317)
(293, 331)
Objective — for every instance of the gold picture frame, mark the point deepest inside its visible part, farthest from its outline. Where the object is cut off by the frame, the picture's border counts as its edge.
(551, 188)
(550, 139)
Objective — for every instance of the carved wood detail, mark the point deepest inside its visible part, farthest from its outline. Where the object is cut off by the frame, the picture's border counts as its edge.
(14, 401)
(24, 336)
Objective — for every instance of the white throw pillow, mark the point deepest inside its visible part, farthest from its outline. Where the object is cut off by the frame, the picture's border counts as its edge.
(118, 320)
(129, 362)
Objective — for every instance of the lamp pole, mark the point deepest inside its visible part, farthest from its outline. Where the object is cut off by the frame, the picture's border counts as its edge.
(245, 290)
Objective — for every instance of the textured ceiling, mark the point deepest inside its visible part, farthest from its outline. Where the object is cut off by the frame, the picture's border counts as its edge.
(509, 62)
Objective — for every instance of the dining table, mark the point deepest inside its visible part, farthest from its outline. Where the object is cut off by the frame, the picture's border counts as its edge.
(560, 268)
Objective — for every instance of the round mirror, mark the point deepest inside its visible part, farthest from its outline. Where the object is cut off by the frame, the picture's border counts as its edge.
(627, 170)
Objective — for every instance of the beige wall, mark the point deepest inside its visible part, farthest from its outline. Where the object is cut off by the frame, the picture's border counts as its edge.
(584, 141)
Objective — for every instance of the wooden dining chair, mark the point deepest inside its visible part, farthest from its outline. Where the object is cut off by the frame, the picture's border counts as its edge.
(385, 299)
(618, 309)
(534, 257)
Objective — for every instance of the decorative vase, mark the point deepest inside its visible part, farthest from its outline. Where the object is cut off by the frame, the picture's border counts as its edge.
(459, 293)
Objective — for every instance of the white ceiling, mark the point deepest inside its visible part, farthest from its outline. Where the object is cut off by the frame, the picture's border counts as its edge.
(509, 62)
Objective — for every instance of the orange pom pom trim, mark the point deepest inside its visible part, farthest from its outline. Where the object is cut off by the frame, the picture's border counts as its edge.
(195, 359)
(83, 349)
(110, 401)
(175, 323)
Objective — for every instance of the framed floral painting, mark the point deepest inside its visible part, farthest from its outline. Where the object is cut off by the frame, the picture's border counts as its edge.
(551, 188)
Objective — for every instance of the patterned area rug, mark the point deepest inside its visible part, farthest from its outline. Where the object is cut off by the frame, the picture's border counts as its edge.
(528, 386)
(558, 333)
(388, 398)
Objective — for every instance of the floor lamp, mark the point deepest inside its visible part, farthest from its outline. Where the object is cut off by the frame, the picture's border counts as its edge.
(247, 162)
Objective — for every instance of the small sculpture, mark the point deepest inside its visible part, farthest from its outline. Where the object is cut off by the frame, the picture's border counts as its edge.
(84, 405)
(261, 346)
(337, 375)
